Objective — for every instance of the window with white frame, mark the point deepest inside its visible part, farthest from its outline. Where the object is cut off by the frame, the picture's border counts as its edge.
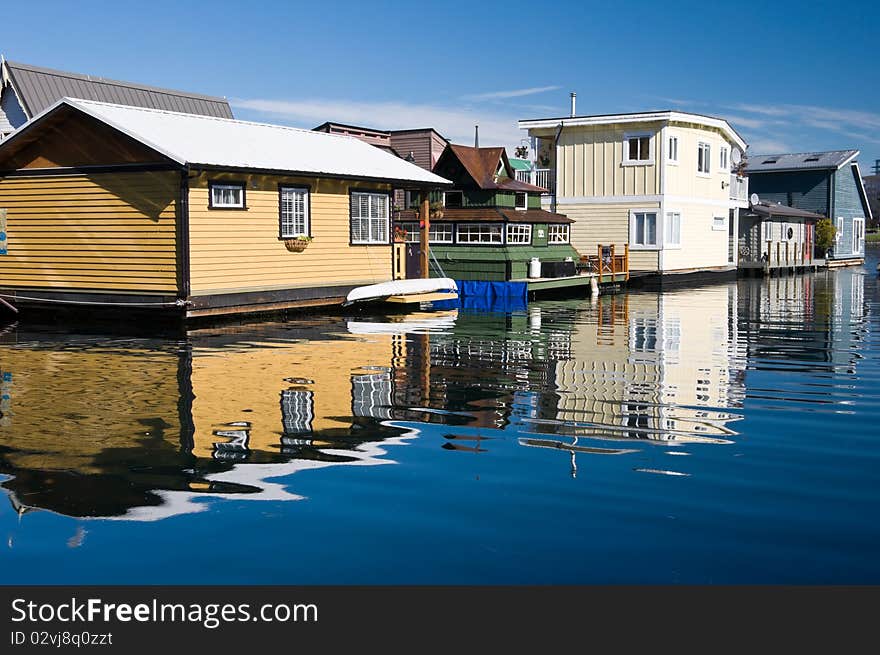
(704, 152)
(478, 233)
(521, 200)
(839, 230)
(369, 218)
(637, 149)
(858, 234)
(453, 199)
(226, 196)
(723, 160)
(719, 223)
(768, 230)
(672, 155)
(643, 229)
(673, 229)
(558, 233)
(438, 233)
(519, 234)
(411, 231)
(293, 212)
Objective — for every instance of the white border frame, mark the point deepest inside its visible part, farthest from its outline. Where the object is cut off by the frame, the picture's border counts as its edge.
(632, 228)
(666, 244)
(626, 161)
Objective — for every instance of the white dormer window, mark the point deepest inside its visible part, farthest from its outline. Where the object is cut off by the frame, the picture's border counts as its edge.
(672, 154)
(723, 160)
(637, 149)
(522, 200)
(704, 152)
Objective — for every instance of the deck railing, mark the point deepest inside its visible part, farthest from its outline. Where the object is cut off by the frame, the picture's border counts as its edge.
(542, 177)
(607, 262)
(787, 254)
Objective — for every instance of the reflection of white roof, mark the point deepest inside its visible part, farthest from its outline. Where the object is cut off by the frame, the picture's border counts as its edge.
(258, 476)
(226, 143)
(443, 322)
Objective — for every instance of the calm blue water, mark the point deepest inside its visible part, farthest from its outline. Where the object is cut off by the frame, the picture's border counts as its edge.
(721, 434)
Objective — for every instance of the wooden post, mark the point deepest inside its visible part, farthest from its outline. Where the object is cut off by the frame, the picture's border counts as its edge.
(626, 259)
(424, 232)
(600, 259)
(613, 264)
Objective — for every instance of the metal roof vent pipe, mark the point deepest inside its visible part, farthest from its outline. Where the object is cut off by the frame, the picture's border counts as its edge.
(476, 136)
(573, 101)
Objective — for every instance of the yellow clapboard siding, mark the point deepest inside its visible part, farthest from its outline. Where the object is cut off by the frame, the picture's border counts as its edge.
(108, 231)
(240, 249)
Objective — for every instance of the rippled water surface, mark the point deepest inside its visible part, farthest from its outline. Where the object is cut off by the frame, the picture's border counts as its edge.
(725, 433)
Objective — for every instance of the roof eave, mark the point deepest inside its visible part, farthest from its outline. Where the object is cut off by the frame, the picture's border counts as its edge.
(650, 117)
(401, 183)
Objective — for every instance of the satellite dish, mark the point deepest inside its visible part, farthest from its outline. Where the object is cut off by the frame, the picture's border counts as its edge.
(736, 156)
(754, 199)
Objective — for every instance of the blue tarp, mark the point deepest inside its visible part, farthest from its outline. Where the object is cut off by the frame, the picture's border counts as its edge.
(479, 296)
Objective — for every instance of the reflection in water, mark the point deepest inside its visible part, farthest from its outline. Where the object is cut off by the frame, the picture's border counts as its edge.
(141, 429)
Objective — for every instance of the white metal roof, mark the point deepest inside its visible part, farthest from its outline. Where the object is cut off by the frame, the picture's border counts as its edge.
(639, 117)
(219, 142)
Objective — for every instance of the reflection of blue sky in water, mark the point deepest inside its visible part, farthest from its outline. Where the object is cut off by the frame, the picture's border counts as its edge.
(725, 425)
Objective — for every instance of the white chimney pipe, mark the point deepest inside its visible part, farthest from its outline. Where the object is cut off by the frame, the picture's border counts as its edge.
(573, 100)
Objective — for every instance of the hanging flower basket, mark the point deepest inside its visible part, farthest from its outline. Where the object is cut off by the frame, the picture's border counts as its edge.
(297, 244)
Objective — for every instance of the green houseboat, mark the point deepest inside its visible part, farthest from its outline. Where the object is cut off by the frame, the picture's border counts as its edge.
(489, 226)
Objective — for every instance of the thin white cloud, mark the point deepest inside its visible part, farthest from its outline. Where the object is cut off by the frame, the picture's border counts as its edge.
(516, 93)
(768, 146)
(456, 124)
(742, 121)
(766, 110)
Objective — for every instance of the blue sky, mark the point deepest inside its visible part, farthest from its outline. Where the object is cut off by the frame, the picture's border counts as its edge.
(789, 75)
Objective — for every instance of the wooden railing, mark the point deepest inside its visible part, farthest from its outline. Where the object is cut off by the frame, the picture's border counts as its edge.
(787, 254)
(606, 262)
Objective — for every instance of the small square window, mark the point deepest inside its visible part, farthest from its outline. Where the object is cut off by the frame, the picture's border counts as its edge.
(637, 149)
(558, 233)
(719, 223)
(521, 200)
(453, 199)
(643, 229)
(519, 234)
(226, 196)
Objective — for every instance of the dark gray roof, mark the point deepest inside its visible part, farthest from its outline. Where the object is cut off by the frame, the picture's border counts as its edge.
(767, 209)
(39, 88)
(799, 161)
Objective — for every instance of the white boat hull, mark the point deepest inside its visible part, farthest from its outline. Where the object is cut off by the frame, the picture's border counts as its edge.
(385, 290)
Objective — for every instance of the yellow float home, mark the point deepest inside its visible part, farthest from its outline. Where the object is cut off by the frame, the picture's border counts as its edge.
(107, 206)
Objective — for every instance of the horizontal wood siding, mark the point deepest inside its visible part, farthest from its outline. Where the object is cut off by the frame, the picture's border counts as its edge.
(419, 143)
(239, 250)
(108, 232)
(607, 225)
